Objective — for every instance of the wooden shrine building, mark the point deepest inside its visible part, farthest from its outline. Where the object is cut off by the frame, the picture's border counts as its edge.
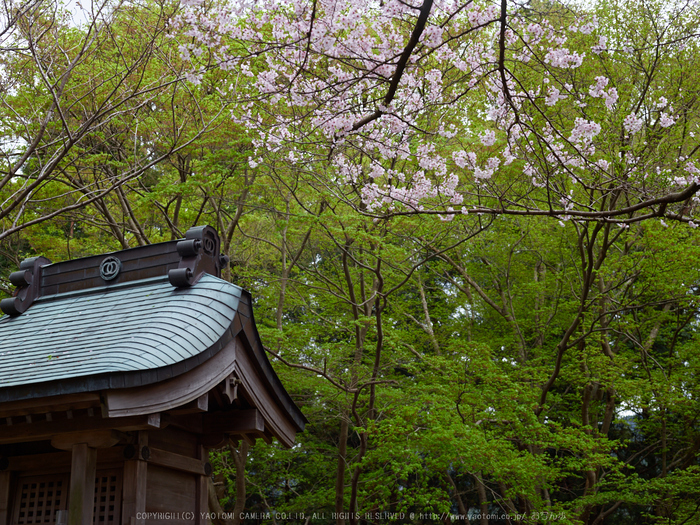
(117, 373)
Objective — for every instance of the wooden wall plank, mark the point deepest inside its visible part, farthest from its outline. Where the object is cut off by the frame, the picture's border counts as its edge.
(172, 493)
(175, 440)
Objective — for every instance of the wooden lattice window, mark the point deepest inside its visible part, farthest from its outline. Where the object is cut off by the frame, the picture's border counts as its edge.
(108, 497)
(40, 497)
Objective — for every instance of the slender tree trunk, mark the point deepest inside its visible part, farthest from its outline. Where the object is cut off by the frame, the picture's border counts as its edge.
(456, 495)
(215, 507)
(507, 500)
(239, 460)
(340, 472)
(428, 325)
(112, 223)
(131, 218)
(483, 500)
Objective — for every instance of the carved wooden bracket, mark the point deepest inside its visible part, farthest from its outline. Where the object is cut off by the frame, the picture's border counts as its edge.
(199, 253)
(28, 281)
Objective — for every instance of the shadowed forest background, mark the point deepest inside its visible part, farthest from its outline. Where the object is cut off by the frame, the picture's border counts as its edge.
(468, 229)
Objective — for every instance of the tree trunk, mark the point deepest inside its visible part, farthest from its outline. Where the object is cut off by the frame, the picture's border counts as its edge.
(239, 459)
(483, 500)
(340, 473)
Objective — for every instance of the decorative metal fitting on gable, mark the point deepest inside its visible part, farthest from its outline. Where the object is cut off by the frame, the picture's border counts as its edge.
(229, 388)
(28, 281)
(199, 253)
(110, 268)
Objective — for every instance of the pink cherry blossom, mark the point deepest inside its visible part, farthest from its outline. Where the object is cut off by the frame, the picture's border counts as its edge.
(597, 89)
(600, 47)
(632, 123)
(665, 120)
(553, 96)
(564, 58)
(584, 131)
(488, 138)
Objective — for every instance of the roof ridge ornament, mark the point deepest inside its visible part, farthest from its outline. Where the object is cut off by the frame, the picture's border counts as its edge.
(200, 253)
(183, 261)
(28, 282)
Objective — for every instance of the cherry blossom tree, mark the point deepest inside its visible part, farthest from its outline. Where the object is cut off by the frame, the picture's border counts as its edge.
(445, 107)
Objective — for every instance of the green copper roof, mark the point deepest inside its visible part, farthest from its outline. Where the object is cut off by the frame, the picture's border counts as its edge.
(133, 327)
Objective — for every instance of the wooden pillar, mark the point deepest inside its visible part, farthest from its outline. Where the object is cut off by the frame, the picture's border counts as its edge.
(134, 488)
(82, 484)
(134, 492)
(5, 480)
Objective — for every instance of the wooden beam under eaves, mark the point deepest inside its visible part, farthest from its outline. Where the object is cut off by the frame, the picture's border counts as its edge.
(234, 422)
(41, 430)
(50, 404)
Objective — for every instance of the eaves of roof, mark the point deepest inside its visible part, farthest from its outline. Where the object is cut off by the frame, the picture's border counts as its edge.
(127, 335)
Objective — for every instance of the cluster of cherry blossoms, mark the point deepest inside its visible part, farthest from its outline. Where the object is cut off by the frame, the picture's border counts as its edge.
(412, 116)
(598, 90)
